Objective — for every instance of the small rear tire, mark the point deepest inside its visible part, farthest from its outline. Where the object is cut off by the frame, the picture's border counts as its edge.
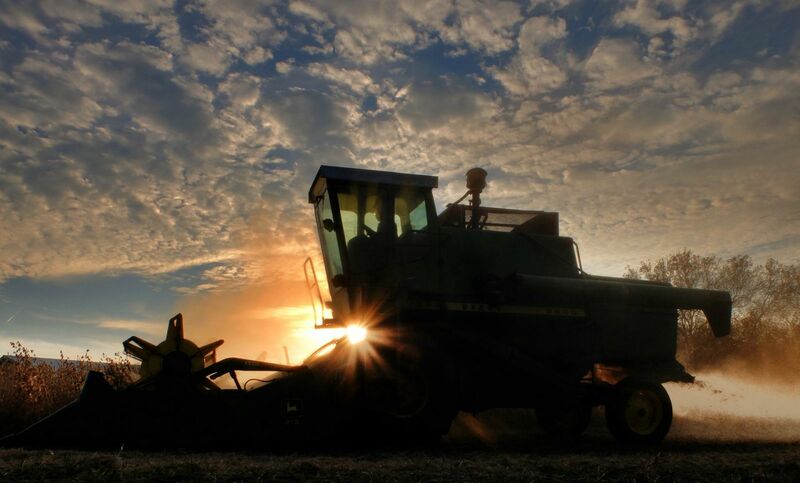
(639, 412)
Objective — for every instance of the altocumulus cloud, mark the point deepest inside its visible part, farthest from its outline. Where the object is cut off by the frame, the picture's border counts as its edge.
(161, 138)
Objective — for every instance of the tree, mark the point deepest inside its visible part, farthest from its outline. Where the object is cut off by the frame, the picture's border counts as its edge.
(766, 309)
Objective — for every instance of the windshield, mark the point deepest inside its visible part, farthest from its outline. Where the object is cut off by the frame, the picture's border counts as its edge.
(375, 216)
(365, 212)
(361, 210)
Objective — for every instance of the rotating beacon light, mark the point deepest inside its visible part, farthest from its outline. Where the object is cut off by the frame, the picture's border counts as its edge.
(476, 181)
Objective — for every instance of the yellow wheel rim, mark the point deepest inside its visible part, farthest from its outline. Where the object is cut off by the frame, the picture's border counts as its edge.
(644, 412)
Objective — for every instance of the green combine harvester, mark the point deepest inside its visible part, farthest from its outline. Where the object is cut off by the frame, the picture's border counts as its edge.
(469, 309)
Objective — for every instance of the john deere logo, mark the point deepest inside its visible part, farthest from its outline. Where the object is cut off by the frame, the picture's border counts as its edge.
(293, 406)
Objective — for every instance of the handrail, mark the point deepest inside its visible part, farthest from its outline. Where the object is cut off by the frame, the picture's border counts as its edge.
(319, 320)
(578, 253)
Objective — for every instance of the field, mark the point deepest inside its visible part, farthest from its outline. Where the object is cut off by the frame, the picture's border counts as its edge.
(724, 429)
(740, 426)
(489, 448)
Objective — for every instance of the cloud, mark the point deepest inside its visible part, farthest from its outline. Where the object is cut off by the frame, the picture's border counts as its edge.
(112, 163)
(488, 26)
(365, 32)
(537, 32)
(25, 19)
(158, 101)
(40, 93)
(244, 28)
(308, 10)
(438, 103)
(530, 73)
(148, 138)
(242, 90)
(206, 57)
(307, 118)
(369, 32)
(648, 17)
(136, 326)
(356, 80)
(358, 46)
(616, 63)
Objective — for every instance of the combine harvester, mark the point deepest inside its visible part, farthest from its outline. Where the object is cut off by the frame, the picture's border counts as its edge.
(471, 309)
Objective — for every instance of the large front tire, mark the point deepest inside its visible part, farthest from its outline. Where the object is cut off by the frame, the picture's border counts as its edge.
(411, 407)
(639, 412)
(425, 417)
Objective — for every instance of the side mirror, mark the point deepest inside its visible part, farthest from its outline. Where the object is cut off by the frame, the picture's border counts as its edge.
(328, 224)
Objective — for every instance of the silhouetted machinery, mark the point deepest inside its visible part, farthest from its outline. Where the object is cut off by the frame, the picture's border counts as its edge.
(470, 309)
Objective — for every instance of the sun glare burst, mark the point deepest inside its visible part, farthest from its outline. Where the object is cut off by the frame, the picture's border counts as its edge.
(356, 333)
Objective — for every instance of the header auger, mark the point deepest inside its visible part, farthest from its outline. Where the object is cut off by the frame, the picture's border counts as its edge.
(465, 310)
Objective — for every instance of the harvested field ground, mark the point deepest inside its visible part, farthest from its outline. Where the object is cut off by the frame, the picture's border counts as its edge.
(490, 448)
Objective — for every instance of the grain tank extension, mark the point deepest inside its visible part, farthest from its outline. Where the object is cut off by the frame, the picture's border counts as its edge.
(468, 309)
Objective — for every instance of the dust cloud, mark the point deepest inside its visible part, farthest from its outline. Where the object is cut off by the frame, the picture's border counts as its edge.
(720, 407)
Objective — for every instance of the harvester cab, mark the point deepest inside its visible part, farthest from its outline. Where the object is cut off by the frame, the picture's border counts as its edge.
(370, 225)
(384, 245)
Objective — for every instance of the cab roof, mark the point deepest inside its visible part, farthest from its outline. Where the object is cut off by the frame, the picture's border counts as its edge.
(357, 175)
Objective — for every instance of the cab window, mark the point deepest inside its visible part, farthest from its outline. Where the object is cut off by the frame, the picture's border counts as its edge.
(360, 210)
(410, 211)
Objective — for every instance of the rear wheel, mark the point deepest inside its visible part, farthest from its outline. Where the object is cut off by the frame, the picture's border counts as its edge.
(639, 412)
(564, 423)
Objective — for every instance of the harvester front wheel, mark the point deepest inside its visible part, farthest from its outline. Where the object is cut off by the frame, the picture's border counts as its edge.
(639, 412)
(565, 423)
(421, 413)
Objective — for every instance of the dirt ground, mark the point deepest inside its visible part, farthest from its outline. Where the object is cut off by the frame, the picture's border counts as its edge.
(487, 448)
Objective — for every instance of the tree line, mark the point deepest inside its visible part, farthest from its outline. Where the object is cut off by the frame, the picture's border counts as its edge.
(765, 330)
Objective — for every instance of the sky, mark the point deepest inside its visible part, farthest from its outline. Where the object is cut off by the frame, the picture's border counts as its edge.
(155, 156)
